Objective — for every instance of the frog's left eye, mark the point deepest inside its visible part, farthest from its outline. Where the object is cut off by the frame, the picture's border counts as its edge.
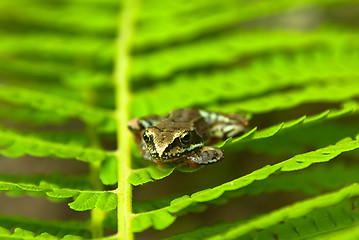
(185, 138)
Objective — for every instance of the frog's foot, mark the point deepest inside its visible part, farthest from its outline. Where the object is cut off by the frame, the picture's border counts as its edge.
(205, 155)
(225, 130)
(159, 164)
(188, 163)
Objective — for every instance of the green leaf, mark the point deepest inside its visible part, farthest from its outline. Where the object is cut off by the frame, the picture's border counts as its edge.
(347, 108)
(27, 235)
(253, 42)
(315, 93)
(42, 16)
(23, 114)
(107, 201)
(71, 49)
(62, 193)
(85, 201)
(57, 105)
(310, 135)
(26, 187)
(295, 163)
(158, 219)
(16, 145)
(219, 15)
(109, 171)
(329, 216)
(277, 73)
(314, 180)
(149, 174)
(55, 228)
(302, 209)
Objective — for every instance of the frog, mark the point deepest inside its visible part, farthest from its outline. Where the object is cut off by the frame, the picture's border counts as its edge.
(185, 136)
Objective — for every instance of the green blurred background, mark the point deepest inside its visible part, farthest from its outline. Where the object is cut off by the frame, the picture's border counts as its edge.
(274, 60)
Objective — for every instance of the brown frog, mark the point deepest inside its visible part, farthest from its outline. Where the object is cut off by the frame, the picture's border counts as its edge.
(183, 136)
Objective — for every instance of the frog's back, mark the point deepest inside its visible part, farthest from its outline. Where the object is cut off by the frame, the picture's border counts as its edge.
(192, 119)
(185, 115)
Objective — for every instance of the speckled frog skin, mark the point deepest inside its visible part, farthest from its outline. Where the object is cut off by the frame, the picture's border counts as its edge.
(183, 136)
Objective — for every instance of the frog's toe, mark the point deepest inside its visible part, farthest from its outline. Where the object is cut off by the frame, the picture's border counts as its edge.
(206, 155)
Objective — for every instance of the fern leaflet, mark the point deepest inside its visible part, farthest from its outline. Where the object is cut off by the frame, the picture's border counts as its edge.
(298, 162)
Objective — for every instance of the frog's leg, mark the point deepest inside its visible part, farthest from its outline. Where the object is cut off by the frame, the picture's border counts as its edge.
(223, 126)
(137, 124)
(205, 155)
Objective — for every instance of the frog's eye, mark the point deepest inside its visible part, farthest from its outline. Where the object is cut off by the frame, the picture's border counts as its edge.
(147, 136)
(185, 138)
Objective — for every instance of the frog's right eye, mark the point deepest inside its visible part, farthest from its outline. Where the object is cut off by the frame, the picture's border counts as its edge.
(147, 136)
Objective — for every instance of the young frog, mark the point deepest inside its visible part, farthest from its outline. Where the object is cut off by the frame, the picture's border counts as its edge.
(183, 135)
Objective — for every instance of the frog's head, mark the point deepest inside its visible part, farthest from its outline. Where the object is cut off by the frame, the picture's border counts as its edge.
(171, 142)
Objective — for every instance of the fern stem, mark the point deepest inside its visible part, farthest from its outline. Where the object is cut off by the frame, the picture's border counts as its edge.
(122, 64)
(97, 215)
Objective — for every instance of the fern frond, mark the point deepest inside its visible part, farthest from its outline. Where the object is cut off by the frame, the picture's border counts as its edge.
(151, 173)
(16, 145)
(213, 18)
(226, 50)
(58, 60)
(55, 228)
(314, 180)
(109, 171)
(54, 179)
(19, 233)
(22, 114)
(42, 16)
(331, 93)
(340, 215)
(204, 232)
(84, 199)
(206, 18)
(331, 215)
(308, 135)
(104, 200)
(35, 69)
(346, 234)
(221, 51)
(58, 48)
(297, 162)
(347, 109)
(40, 71)
(262, 76)
(60, 106)
(45, 87)
(77, 138)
